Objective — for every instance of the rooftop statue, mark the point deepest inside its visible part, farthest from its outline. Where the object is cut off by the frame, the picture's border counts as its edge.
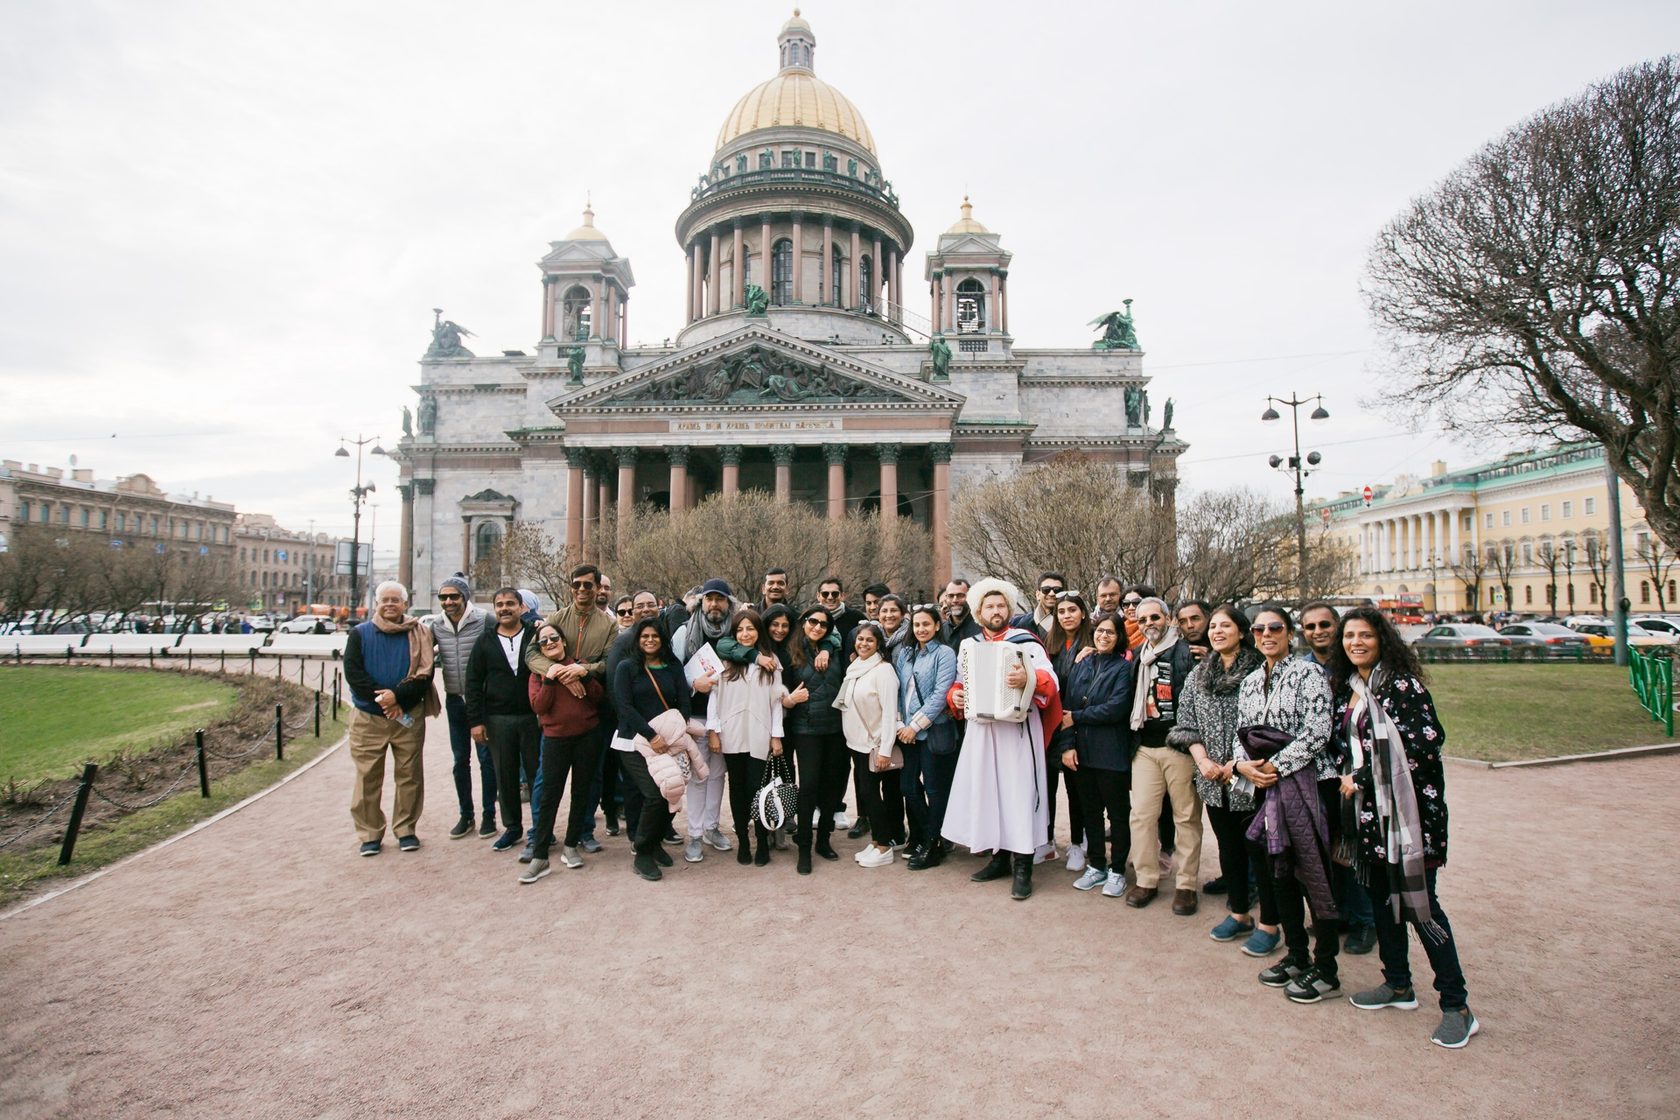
(408, 421)
(1117, 330)
(1166, 415)
(757, 300)
(941, 351)
(1134, 406)
(574, 363)
(446, 338)
(428, 415)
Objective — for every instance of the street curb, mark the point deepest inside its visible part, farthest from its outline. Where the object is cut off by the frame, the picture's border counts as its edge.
(160, 845)
(1566, 759)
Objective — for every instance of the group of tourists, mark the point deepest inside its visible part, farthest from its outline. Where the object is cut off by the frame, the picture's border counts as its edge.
(946, 725)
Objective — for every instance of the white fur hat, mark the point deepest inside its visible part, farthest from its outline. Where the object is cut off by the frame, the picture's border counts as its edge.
(989, 586)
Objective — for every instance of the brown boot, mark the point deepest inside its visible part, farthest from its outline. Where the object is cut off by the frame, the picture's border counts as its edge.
(1139, 897)
(1184, 903)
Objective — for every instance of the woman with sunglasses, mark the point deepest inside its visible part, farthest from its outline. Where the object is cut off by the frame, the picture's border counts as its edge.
(1067, 639)
(624, 612)
(1207, 727)
(1096, 710)
(814, 732)
(744, 723)
(868, 704)
(1297, 821)
(927, 668)
(1397, 793)
(568, 714)
(648, 681)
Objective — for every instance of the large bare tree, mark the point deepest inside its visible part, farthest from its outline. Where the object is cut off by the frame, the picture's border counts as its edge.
(1502, 561)
(1535, 288)
(1659, 564)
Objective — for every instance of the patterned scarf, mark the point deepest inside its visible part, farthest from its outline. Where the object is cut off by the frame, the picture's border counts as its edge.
(1143, 699)
(1397, 813)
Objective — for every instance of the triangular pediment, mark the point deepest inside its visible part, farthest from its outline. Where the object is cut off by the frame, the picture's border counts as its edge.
(756, 367)
(564, 252)
(980, 244)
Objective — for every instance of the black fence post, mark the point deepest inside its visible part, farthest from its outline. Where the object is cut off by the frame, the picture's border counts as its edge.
(189, 657)
(224, 661)
(317, 713)
(335, 695)
(203, 768)
(279, 733)
(151, 661)
(253, 668)
(300, 670)
(76, 811)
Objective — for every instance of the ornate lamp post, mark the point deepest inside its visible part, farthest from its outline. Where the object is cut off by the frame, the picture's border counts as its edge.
(358, 494)
(1296, 465)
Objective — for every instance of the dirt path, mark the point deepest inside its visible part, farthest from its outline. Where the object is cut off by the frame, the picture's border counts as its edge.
(259, 968)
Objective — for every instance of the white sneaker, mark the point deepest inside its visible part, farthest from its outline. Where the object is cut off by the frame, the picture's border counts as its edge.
(863, 851)
(1045, 853)
(1116, 884)
(842, 821)
(875, 857)
(1093, 877)
(1076, 857)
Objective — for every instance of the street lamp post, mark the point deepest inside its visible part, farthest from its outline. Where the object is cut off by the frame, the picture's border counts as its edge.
(1298, 467)
(358, 494)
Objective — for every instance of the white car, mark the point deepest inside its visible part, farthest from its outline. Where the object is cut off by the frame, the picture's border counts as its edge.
(308, 624)
(1656, 624)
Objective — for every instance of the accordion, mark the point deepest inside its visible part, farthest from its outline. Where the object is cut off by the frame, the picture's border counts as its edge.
(985, 694)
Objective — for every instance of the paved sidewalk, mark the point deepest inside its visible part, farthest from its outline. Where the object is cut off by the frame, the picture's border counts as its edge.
(260, 968)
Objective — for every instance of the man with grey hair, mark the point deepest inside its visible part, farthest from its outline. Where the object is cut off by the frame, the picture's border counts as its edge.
(1164, 661)
(388, 665)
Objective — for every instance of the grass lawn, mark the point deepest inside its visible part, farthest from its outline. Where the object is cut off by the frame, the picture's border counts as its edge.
(1500, 712)
(52, 718)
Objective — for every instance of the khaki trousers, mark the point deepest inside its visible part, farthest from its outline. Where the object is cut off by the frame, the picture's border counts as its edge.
(369, 736)
(1158, 770)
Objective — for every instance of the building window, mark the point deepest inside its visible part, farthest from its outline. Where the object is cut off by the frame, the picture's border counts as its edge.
(971, 307)
(1528, 552)
(1490, 521)
(575, 310)
(836, 270)
(866, 274)
(242, 556)
(1545, 511)
(790, 159)
(830, 163)
(1568, 510)
(1592, 592)
(485, 539)
(102, 519)
(23, 511)
(1469, 522)
(1525, 515)
(972, 345)
(781, 272)
(1644, 591)
(122, 522)
(766, 160)
(156, 524)
(64, 515)
(46, 513)
(1671, 591)
(1505, 517)
(87, 517)
(811, 160)
(1589, 506)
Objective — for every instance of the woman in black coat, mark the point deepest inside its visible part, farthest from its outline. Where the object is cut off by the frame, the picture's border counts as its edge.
(812, 729)
(1097, 710)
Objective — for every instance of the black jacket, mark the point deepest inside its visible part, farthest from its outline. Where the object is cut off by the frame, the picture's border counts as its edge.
(491, 688)
(1154, 732)
(1099, 697)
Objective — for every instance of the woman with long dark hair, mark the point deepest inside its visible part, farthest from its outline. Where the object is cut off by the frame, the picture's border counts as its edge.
(1067, 641)
(568, 749)
(647, 682)
(1286, 704)
(1097, 710)
(890, 615)
(744, 723)
(1207, 727)
(814, 732)
(868, 704)
(927, 668)
(1395, 789)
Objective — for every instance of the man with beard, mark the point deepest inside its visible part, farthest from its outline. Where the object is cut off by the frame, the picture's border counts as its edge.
(831, 596)
(1192, 621)
(588, 632)
(997, 794)
(1164, 661)
(775, 590)
(958, 624)
(1108, 600)
(709, 624)
(499, 705)
(455, 630)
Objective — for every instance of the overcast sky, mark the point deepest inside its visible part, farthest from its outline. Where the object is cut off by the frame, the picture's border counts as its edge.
(223, 225)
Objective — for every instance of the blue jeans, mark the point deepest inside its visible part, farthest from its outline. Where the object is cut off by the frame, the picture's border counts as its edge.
(1352, 900)
(1391, 944)
(461, 744)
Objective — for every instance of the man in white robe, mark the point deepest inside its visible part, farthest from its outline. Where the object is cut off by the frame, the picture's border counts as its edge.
(999, 800)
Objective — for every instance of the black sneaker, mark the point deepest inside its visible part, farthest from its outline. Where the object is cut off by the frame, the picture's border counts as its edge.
(488, 828)
(1214, 886)
(1312, 986)
(1360, 940)
(645, 866)
(408, 843)
(462, 827)
(508, 839)
(1281, 973)
(662, 857)
(370, 848)
(671, 836)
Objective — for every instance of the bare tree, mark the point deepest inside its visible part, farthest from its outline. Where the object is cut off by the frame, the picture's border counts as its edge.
(1534, 289)
(1597, 551)
(1659, 562)
(1502, 561)
(1469, 568)
(1070, 514)
(1550, 556)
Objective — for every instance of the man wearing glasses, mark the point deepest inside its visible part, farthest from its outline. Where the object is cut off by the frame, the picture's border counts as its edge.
(588, 631)
(831, 594)
(1129, 604)
(499, 711)
(1157, 768)
(1108, 600)
(1038, 620)
(455, 630)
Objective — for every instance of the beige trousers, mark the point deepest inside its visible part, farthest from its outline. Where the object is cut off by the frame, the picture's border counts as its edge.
(369, 736)
(1158, 770)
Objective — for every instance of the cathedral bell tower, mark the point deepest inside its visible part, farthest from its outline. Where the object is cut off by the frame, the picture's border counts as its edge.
(968, 274)
(586, 297)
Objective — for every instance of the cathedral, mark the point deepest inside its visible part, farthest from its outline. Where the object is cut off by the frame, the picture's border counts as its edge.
(801, 368)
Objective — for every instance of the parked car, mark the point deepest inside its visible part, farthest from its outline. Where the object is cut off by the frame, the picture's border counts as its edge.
(1545, 639)
(1462, 637)
(1656, 623)
(1637, 636)
(308, 624)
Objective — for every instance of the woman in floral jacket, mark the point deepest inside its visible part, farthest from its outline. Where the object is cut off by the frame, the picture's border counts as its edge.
(1395, 784)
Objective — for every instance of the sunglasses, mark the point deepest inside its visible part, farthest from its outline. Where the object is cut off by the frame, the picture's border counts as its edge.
(1267, 627)
(449, 598)
(1152, 618)
(581, 584)
(1130, 602)
(551, 640)
(828, 594)
(1050, 591)
(1318, 625)
(1067, 594)
(818, 622)
(925, 607)
(625, 612)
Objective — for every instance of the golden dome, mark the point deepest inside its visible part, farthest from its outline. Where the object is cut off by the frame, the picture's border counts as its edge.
(966, 223)
(587, 231)
(795, 99)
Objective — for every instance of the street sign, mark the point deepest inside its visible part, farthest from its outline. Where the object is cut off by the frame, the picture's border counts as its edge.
(1367, 496)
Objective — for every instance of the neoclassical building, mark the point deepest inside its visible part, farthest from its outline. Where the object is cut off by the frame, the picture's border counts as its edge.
(800, 368)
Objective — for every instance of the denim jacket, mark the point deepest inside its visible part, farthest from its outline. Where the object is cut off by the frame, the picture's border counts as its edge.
(924, 677)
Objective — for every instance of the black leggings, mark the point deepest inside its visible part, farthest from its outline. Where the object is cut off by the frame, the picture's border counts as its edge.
(1103, 791)
(1230, 830)
(881, 797)
(1077, 817)
(744, 775)
(568, 754)
(1291, 898)
(655, 819)
(822, 779)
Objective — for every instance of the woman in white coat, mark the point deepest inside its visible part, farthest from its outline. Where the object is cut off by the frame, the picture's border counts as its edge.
(868, 704)
(744, 725)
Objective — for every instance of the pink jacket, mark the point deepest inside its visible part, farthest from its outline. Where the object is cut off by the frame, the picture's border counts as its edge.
(680, 737)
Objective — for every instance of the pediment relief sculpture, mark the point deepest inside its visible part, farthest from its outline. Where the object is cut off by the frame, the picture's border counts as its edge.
(756, 376)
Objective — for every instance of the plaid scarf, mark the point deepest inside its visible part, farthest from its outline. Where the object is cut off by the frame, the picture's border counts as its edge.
(1397, 812)
(1143, 698)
